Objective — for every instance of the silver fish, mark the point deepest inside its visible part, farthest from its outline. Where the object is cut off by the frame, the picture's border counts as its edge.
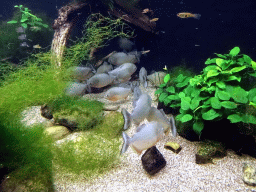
(121, 58)
(143, 77)
(76, 89)
(24, 44)
(22, 37)
(136, 95)
(104, 68)
(147, 136)
(117, 93)
(20, 30)
(81, 73)
(139, 113)
(159, 116)
(125, 44)
(157, 77)
(123, 72)
(99, 80)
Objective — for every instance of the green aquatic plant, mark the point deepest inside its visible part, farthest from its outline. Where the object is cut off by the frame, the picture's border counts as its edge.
(221, 91)
(98, 31)
(28, 19)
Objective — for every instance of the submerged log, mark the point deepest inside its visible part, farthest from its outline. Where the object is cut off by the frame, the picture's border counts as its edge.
(67, 17)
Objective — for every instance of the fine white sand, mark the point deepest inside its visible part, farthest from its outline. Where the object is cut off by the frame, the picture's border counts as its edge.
(180, 174)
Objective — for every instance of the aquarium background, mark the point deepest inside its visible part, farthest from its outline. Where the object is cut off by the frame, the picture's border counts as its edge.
(223, 25)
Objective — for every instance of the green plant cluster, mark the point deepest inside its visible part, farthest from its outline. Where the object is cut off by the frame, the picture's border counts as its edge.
(221, 91)
(98, 31)
(28, 18)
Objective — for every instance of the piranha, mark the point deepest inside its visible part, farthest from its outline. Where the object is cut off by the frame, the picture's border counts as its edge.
(104, 68)
(147, 135)
(81, 73)
(139, 113)
(117, 93)
(143, 77)
(123, 72)
(121, 58)
(160, 117)
(76, 89)
(188, 15)
(99, 80)
(125, 44)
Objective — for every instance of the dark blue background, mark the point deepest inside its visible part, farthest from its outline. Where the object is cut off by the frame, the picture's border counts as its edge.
(223, 25)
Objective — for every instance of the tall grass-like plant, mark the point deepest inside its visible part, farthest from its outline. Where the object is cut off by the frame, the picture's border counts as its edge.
(222, 90)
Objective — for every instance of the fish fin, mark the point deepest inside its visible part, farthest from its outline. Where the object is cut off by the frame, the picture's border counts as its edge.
(127, 118)
(162, 111)
(88, 88)
(136, 95)
(137, 150)
(145, 83)
(125, 146)
(174, 129)
(197, 16)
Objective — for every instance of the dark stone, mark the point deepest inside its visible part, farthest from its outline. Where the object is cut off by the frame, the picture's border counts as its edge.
(153, 161)
(46, 112)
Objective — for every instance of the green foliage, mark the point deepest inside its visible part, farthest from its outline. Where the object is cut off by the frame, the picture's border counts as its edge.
(217, 93)
(98, 31)
(25, 149)
(28, 19)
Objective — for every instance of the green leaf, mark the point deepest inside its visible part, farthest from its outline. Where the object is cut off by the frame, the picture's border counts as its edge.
(173, 97)
(231, 78)
(239, 95)
(228, 104)
(13, 21)
(184, 83)
(180, 78)
(220, 55)
(211, 67)
(223, 95)
(23, 20)
(253, 65)
(247, 59)
(234, 51)
(162, 85)
(234, 118)
(220, 62)
(162, 97)
(210, 115)
(170, 89)
(237, 69)
(167, 78)
(181, 94)
(185, 103)
(195, 92)
(194, 103)
(210, 61)
(251, 94)
(215, 103)
(167, 101)
(249, 119)
(212, 73)
(198, 127)
(221, 84)
(159, 91)
(186, 118)
(24, 25)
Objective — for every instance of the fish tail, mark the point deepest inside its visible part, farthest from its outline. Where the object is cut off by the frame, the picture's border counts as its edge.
(174, 129)
(126, 143)
(196, 16)
(127, 118)
(88, 88)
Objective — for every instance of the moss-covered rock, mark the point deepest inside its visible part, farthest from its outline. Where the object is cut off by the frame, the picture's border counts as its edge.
(208, 150)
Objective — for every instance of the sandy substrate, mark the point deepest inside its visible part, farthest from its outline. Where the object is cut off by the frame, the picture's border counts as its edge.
(180, 174)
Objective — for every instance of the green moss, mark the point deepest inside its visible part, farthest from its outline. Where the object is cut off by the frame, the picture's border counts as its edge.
(87, 113)
(91, 155)
(112, 125)
(210, 148)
